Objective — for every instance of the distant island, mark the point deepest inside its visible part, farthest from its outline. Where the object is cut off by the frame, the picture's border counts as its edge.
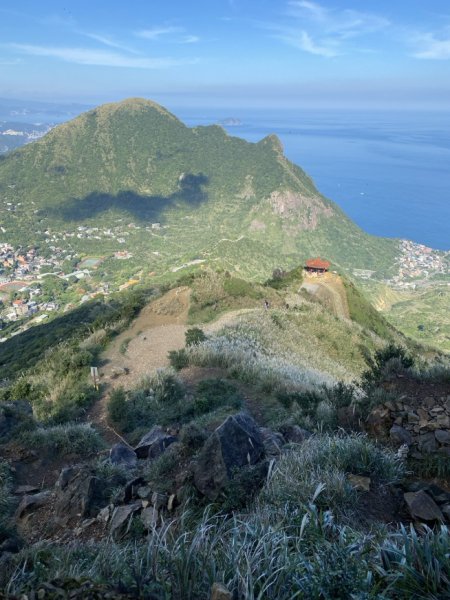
(231, 122)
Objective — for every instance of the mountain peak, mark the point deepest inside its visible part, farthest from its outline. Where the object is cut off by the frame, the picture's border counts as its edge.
(131, 105)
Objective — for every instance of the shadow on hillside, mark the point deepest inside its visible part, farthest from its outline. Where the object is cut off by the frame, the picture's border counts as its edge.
(191, 192)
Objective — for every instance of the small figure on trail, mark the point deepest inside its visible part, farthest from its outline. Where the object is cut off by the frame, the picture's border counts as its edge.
(266, 304)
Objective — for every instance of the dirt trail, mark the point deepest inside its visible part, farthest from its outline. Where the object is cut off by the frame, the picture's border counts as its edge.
(330, 290)
(143, 348)
(140, 350)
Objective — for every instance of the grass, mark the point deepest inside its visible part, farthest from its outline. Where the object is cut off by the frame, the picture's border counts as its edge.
(320, 467)
(70, 438)
(275, 555)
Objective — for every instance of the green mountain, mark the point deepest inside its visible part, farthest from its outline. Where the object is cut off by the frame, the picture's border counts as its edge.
(122, 167)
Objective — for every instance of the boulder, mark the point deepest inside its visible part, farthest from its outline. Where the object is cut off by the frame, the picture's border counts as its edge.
(154, 443)
(379, 421)
(295, 434)
(427, 443)
(400, 436)
(149, 517)
(121, 515)
(79, 493)
(422, 507)
(442, 436)
(120, 454)
(235, 444)
(220, 592)
(31, 502)
(273, 441)
(446, 511)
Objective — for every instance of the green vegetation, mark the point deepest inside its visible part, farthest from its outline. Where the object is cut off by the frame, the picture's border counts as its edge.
(22, 352)
(286, 544)
(362, 312)
(162, 400)
(60, 440)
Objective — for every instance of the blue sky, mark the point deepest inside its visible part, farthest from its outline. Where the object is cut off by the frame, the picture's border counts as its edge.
(255, 53)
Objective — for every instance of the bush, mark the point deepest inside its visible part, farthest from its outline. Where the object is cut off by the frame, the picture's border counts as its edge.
(194, 336)
(178, 359)
(156, 400)
(214, 393)
(71, 438)
(237, 288)
(390, 360)
(192, 436)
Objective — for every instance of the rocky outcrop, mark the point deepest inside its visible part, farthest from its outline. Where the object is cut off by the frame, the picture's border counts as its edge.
(120, 454)
(154, 443)
(79, 493)
(235, 444)
(423, 425)
(423, 507)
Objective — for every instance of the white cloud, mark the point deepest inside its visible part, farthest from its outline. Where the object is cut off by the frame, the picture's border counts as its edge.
(303, 41)
(323, 31)
(104, 58)
(430, 47)
(157, 32)
(343, 23)
(107, 41)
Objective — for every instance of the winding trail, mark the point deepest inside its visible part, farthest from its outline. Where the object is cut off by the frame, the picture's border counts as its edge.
(143, 348)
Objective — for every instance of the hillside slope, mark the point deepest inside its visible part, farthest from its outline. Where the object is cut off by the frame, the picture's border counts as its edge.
(121, 167)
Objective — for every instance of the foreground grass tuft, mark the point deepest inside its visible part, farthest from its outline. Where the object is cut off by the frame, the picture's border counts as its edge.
(72, 438)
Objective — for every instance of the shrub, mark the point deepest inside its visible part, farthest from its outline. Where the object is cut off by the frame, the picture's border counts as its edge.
(192, 436)
(194, 336)
(156, 400)
(214, 393)
(71, 438)
(178, 359)
(388, 361)
(236, 288)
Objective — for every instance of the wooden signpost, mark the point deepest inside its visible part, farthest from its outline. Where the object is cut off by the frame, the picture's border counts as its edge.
(94, 375)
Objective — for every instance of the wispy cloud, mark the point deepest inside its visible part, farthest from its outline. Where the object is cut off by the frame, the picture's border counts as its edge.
(157, 32)
(177, 35)
(107, 40)
(103, 58)
(430, 47)
(323, 31)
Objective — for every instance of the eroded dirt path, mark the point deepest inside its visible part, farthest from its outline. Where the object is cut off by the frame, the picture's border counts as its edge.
(330, 290)
(143, 348)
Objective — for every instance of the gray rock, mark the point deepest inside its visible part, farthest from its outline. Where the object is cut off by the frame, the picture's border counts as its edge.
(154, 443)
(220, 592)
(442, 436)
(446, 511)
(427, 443)
(79, 494)
(421, 506)
(120, 516)
(235, 444)
(20, 490)
(159, 500)
(295, 434)
(150, 517)
(272, 440)
(30, 503)
(120, 454)
(400, 436)
(379, 421)
(144, 492)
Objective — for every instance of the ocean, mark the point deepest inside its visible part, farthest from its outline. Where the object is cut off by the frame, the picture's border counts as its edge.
(388, 170)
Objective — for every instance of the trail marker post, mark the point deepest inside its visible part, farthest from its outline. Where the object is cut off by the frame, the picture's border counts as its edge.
(94, 375)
